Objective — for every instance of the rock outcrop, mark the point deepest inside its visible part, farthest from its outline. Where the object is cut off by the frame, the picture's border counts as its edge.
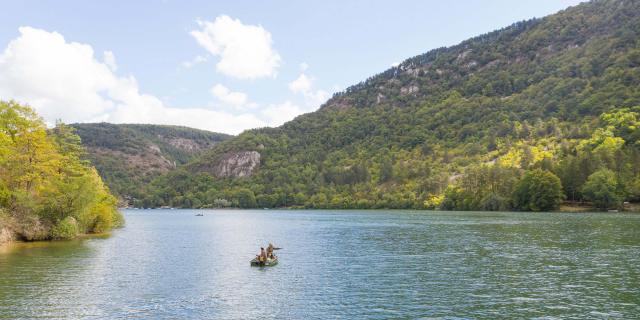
(237, 164)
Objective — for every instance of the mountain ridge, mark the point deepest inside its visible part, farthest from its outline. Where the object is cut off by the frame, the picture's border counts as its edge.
(127, 156)
(529, 96)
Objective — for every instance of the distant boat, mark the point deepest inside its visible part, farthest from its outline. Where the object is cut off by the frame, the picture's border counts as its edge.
(268, 263)
(199, 214)
(613, 210)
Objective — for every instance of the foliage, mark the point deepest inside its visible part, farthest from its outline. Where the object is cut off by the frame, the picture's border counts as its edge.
(128, 156)
(538, 190)
(485, 187)
(601, 188)
(67, 228)
(245, 198)
(454, 128)
(45, 187)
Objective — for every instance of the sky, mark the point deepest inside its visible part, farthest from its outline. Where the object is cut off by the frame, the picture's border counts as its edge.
(221, 66)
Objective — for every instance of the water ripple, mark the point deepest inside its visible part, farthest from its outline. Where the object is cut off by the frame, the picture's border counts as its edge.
(335, 264)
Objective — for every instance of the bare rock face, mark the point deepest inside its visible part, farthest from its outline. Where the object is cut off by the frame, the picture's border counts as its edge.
(237, 164)
(409, 90)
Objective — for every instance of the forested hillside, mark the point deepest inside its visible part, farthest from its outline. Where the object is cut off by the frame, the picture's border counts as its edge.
(46, 190)
(129, 155)
(523, 118)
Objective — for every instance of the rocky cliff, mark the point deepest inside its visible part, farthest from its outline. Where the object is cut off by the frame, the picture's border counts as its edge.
(237, 164)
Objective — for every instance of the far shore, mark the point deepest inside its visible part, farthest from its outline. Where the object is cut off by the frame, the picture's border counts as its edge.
(564, 208)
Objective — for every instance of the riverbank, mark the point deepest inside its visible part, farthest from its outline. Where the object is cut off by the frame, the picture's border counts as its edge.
(576, 207)
(14, 243)
(565, 207)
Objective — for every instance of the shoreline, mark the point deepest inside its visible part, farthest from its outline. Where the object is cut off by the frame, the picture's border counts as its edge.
(13, 244)
(564, 208)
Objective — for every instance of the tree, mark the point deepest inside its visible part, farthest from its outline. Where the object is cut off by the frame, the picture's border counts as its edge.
(386, 169)
(45, 187)
(538, 190)
(246, 198)
(601, 189)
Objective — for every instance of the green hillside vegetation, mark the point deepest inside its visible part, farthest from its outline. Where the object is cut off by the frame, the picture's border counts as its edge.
(499, 122)
(46, 190)
(128, 156)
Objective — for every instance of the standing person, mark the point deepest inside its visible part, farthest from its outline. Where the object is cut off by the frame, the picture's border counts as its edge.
(270, 251)
(263, 255)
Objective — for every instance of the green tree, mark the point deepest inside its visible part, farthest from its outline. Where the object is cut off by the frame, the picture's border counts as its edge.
(386, 169)
(538, 190)
(246, 198)
(601, 189)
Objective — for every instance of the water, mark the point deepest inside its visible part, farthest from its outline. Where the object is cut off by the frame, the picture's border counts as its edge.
(334, 264)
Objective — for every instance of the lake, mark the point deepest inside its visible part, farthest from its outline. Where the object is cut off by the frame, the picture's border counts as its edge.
(334, 264)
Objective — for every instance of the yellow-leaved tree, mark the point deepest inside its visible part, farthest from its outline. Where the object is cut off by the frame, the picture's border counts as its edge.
(46, 190)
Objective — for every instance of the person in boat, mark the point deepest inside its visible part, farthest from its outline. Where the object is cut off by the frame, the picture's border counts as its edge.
(263, 255)
(270, 251)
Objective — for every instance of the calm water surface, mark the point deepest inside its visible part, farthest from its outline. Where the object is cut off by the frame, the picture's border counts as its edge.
(334, 264)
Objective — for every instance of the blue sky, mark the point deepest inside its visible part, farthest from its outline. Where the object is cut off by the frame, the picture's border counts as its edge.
(221, 66)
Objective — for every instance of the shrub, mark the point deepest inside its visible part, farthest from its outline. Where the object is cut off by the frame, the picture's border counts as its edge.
(67, 228)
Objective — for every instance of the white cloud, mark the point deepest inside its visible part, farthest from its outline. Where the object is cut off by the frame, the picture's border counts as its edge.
(245, 51)
(395, 64)
(63, 80)
(304, 66)
(191, 117)
(110, 60)
(191, 63)
(227, 96)
(317, 98)
(302, 84)
(277, 114)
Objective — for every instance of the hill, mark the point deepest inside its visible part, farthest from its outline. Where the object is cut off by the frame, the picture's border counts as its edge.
(128, 156)
(491, 123)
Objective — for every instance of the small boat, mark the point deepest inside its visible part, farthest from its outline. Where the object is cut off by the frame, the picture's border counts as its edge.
(268, 263)
(199, 214)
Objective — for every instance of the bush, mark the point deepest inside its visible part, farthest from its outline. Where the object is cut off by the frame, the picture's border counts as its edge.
(30, 228)
(67, 228)
(117, 220)
(104, 220)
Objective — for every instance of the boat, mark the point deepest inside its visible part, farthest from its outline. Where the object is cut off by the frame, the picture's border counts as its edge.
(199, 214)
(268, 263)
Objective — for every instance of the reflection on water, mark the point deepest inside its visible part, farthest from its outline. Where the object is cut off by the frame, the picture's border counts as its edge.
(364, 264)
